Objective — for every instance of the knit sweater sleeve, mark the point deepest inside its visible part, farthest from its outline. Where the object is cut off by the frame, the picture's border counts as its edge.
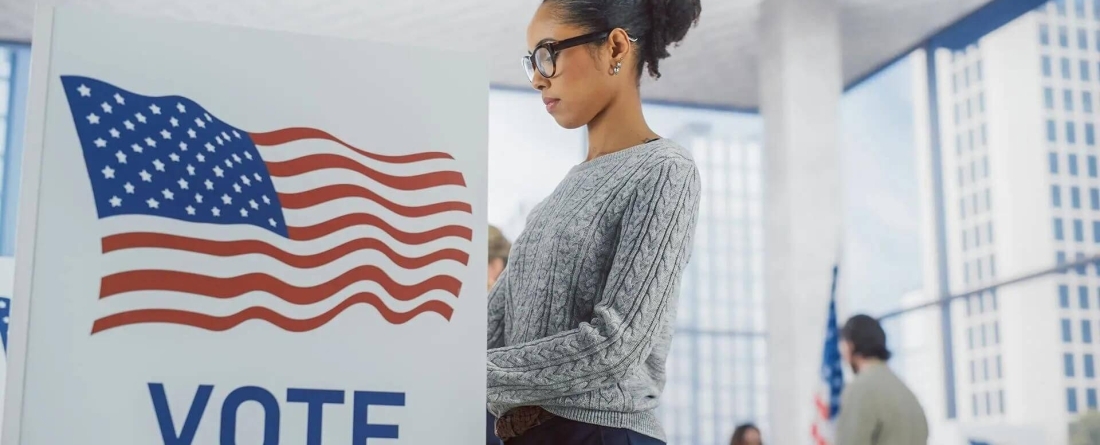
(496, 311)
(636, 305)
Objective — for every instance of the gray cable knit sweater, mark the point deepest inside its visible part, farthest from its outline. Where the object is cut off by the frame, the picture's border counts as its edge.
(580, 322)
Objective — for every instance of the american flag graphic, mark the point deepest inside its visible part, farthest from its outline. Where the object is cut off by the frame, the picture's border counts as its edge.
(209, 226)
(831, 385)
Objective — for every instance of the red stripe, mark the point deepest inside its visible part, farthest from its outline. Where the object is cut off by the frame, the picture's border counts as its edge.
(213, 323)
(309, 233)
(325, 194)
(232, 287)
(246, 247)
(279, 137)
(315, 162)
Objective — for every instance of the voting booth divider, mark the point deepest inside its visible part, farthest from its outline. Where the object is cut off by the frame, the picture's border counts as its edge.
(229, 235)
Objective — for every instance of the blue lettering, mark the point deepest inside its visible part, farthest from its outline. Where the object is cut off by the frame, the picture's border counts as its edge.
(361, 430)
(254, 394)
(190, 423)
(315, 399)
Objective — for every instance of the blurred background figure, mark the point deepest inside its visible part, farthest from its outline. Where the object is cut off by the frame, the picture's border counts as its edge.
(876, 408)
(498, 258)
(498, 253)
(746, 434)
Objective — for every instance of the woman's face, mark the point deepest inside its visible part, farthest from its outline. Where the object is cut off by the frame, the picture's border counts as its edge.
(581, 85)
(752, 437)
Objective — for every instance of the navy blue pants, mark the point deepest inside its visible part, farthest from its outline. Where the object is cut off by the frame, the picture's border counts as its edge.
(559, 431)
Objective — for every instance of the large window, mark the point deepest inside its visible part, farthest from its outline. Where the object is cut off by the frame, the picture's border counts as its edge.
(14, 70)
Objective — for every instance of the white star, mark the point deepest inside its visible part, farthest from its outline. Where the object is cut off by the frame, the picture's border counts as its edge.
(121, 157)
(238, 135)
(226, 200)
(252, 203)
(99, 142)
(165, 134)
(245, 180)
(93, 119)
(191, 132)
(153, 204)
(191, 169)
(200, 123)
(244, 213)
(236, 158)
(190, 210)
(236, 187)
(154, 108)
(182, 108)
(183, 183)
(258, 177)
(129, 188)
(225, 136)
(200, 157)
(106, 107)
(198, 198)
(229, 163)
(209, 184)
(168, 194)
(183, 146)
(175, 122)
(137, 148)
(84, 90)
(150, 142)
(248, 155)
(119, 99)
(216, 212)
(108, 172)
(266, 201)
(158, 165)
(129, 125)
(218, 139)
(207, 116)
(271, 221)
(145, 176)
(116, 201)
(140, 117)
(218, 171)
(114, 133)
(174, 157)
(209, 147)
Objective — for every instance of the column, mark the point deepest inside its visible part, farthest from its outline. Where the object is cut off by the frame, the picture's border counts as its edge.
(800, 88)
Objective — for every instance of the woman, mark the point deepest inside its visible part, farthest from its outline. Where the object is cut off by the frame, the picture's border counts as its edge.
(580, 320)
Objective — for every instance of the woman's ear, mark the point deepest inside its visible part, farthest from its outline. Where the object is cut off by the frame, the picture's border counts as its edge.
(620, 45)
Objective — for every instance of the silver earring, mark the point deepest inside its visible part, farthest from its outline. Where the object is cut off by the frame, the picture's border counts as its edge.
(618, 66)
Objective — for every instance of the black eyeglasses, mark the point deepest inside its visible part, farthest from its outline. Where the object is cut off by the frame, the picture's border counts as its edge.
(545, 55)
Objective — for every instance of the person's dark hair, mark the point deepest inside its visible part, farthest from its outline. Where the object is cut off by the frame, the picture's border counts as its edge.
(866, 336)
(657, 24)
(740, 432)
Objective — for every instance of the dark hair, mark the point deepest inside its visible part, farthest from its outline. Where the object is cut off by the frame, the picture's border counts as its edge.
(866, 336)
(657, 24)
(740, 432)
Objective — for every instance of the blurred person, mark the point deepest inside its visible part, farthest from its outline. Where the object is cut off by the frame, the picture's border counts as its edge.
(876, 408)
(498, 259)
(580, 320)
(746, 434)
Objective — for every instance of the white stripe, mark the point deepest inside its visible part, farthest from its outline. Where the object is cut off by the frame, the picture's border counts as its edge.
(297, 149)
(225, 267)
(218, 232)
(320, 213)
(224, 307)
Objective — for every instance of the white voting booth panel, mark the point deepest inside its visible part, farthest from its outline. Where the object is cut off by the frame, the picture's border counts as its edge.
(239, 236)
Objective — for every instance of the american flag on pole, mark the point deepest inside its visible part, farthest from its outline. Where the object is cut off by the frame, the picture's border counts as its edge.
(207, 225)
(831, 385)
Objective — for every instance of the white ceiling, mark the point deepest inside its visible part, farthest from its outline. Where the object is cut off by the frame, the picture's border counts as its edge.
(715, 66)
